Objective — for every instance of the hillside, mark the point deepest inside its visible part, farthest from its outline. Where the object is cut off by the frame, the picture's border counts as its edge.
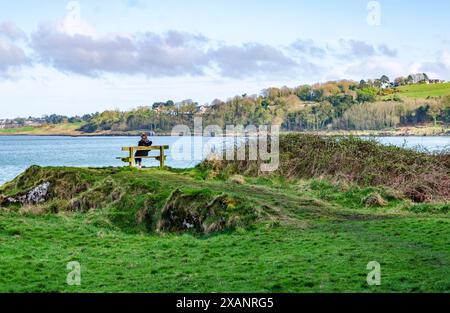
(423, 91)
(67, 129)
(335, 106)
(210, 230)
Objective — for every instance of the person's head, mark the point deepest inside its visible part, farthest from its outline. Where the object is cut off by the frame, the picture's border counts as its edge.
(144, 136)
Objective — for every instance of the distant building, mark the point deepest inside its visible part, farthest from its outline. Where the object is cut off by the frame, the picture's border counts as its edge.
(32, 123)
(9, 124)
(385, 85)
(202, 109)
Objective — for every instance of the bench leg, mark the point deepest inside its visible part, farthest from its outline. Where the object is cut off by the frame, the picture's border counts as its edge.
(131, 158)
(161, 157)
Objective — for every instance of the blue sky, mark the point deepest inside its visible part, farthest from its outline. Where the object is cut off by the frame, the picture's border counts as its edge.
(78, 57)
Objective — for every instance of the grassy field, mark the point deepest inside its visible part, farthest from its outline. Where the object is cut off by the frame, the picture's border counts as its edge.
(422, 91)
(68, 129)
(310, 236)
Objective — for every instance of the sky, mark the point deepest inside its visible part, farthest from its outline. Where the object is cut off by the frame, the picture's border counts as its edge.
(77, 57)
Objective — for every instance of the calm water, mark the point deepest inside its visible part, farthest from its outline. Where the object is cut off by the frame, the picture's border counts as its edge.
(18, 153)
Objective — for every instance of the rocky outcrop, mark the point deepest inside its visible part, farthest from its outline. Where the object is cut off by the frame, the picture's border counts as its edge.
(130, 200)
(203, 213)
(36, 195)
(374, 200)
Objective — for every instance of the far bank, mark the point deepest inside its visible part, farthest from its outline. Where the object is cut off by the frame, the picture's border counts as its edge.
(73, 131)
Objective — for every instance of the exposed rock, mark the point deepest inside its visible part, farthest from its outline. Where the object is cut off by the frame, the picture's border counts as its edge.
(37, 195)
(237, 179)
(374, 200)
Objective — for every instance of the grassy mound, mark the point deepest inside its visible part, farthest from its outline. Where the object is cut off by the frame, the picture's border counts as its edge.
(203, 212)
(420, 176)
(125, 199)
(64, 183)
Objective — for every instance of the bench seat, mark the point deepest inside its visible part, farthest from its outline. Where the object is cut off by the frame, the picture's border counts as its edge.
(131, 150)
(127, 159)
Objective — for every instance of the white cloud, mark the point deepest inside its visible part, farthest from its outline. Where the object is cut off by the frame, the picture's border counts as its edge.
(355, 48)
(11, 31)
(12, 56)
(251, 59)
(170, 54)
(309, 48)
(73, 46)
(374, 67)
(439, 68)
(385, 50)
(445, 58)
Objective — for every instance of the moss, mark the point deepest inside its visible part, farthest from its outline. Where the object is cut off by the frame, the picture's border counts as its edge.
(103, 194)
(204, 212)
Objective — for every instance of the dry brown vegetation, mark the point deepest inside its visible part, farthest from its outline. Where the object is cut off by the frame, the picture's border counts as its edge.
(419, 176)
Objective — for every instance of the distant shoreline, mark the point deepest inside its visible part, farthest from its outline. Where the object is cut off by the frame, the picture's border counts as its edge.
(414, 132)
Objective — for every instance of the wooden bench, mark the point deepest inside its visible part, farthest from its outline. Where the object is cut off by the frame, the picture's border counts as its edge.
(132, 150)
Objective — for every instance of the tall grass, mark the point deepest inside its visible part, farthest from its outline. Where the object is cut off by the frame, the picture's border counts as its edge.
(420, 176)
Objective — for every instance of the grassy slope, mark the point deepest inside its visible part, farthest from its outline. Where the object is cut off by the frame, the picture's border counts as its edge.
(58, 129)
(420, 91)
(319, 238)
(423, 91)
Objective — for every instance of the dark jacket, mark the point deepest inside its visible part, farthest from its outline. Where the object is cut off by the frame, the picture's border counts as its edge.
(143, 143)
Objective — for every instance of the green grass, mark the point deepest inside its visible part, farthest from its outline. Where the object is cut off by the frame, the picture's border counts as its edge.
(413, 254)
(315, 236)
(15, 130)
(423, 91)
(57, 129)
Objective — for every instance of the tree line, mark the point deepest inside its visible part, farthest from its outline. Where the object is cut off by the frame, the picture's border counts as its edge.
(340, 105)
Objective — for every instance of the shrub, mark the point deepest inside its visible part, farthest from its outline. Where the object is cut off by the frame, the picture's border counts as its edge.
(419, 176)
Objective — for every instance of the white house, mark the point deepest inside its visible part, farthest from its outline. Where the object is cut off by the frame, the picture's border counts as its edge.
(202, 109)
(385, 85)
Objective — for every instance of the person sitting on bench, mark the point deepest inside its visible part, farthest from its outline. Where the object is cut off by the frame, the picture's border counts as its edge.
(144, 142)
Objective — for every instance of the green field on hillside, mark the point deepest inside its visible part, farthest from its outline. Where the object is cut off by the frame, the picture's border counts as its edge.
(422, 91)
(53, 129)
